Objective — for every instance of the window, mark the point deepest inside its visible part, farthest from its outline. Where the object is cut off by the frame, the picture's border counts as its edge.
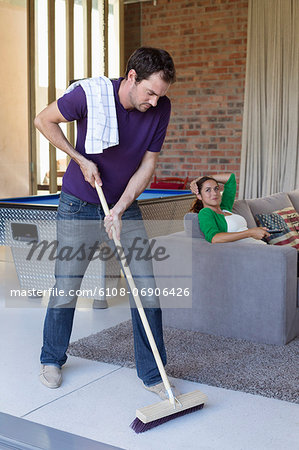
(73, 39)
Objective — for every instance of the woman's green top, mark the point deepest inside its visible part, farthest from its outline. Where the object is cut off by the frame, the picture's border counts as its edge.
(211, 222)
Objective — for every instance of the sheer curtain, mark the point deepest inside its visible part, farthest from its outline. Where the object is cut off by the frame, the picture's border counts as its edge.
(270, 139)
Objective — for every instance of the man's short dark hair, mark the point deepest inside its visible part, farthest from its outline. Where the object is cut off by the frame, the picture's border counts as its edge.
(147, 60)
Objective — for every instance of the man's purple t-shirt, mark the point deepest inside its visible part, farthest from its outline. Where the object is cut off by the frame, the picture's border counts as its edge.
(138, 132)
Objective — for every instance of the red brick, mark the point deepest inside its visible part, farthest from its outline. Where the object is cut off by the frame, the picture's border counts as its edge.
(207, 40)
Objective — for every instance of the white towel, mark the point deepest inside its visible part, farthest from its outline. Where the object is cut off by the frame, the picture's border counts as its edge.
(102, 128)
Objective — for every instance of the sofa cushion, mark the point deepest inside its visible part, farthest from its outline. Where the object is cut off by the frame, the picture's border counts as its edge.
(241, 207)
(282, 220)
(267, 205)
(272, 221)
(294, 196)
(286, 237)
(290, 217)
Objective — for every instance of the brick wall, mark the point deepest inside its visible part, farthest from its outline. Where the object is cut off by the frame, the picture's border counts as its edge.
(207, 39)
(132, 16)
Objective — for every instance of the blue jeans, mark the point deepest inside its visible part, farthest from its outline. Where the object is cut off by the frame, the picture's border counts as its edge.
(81, 225)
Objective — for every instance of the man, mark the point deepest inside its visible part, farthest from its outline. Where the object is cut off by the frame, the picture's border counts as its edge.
(123, 171)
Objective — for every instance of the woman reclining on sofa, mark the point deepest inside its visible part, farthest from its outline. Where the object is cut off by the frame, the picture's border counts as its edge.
(216, 220)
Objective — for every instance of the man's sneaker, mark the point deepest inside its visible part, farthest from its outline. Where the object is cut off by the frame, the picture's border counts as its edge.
(50, 376)
(160, 390)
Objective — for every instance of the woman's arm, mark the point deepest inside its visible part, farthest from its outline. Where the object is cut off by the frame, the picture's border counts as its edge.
(257, 233)
(220, 177)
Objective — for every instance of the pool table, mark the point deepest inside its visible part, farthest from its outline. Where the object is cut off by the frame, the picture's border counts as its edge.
(50, 201)
(24, 219)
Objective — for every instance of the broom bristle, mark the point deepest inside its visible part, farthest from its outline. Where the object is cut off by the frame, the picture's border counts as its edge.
(139, 427)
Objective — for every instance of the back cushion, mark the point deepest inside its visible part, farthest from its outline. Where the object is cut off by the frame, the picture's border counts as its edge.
(241, 207)
(266, 205)
(294, 196)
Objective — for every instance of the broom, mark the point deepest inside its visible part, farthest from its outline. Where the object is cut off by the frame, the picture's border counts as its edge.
(161, 412)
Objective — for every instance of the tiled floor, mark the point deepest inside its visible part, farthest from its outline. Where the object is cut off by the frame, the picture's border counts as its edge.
(98, 400)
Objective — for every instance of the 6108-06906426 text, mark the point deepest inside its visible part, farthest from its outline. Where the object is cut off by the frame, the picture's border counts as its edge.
(108, 292)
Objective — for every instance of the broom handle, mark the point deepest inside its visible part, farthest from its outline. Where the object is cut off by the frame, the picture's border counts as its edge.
(138, 303)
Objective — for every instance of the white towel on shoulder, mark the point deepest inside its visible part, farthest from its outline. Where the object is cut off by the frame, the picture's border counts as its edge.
(102, 127)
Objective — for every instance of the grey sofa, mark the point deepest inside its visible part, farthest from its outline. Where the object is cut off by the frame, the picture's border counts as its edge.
(239, 290)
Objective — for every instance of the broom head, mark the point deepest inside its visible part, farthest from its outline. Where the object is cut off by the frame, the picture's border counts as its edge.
(161, 412)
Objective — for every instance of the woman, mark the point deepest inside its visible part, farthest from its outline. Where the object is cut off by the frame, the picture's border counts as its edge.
(216, 220)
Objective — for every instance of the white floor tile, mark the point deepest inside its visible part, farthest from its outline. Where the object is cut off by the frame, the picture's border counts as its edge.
(20, 344)
(104, 409)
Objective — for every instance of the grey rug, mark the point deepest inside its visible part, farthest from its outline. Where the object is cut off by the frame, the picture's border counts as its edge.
(268, 370)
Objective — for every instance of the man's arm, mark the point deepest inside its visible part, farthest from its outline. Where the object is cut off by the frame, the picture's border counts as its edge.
(47, 122)
(134, 188)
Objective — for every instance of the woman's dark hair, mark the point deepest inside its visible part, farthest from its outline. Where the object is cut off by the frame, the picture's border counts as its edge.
(197, 205)
(147, 60)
